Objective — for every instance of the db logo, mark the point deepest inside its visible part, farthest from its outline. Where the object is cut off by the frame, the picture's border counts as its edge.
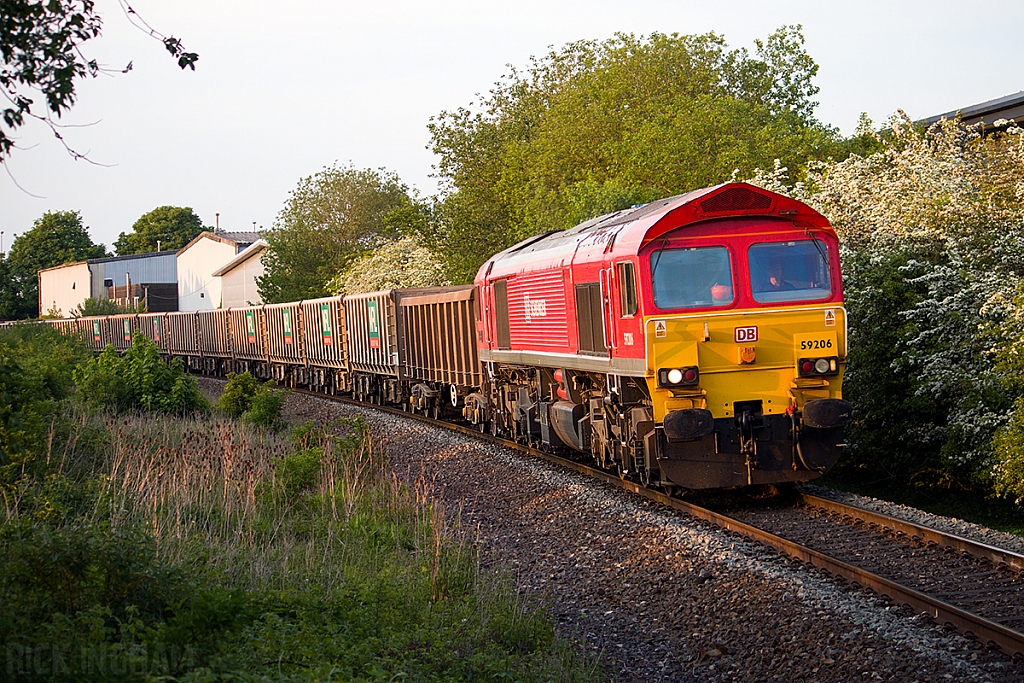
(746, 334)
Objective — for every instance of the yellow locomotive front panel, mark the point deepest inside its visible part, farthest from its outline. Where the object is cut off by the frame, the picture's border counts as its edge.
(746, 355)
(730, 392)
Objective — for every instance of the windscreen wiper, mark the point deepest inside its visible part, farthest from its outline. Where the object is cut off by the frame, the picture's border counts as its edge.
(817, 246)
(654, 266)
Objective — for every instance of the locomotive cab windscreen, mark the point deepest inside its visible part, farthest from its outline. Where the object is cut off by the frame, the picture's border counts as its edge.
(692, 278)
(789, 271)
(705, 276)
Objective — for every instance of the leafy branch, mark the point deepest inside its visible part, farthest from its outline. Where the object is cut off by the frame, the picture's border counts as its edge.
(41, 46)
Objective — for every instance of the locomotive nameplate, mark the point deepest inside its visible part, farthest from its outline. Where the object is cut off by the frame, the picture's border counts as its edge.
(820, 343)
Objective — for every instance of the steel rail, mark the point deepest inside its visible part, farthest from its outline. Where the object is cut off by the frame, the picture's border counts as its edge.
(1006, 639)
(947, 540)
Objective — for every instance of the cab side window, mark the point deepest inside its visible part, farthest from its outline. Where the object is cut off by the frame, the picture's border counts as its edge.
(627, 289)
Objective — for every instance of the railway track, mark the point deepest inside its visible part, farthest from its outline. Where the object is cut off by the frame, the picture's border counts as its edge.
(975, 588)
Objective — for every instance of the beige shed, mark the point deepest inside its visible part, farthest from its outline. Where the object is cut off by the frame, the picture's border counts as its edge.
(198, 288)
(238, 277)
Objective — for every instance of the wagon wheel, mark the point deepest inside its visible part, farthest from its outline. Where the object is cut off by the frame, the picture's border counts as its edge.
(435, 411)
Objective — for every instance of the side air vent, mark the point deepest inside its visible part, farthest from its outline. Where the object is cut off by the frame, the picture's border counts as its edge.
(736, 199)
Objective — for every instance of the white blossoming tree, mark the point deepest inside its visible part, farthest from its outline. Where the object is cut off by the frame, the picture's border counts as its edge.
(932, 228)
(404, 262)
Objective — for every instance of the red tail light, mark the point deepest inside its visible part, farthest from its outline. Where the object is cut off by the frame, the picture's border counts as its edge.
(818, 367)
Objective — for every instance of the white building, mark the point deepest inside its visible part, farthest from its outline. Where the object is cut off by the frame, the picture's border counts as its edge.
(238, 277)
(198, 288)
(63, 288)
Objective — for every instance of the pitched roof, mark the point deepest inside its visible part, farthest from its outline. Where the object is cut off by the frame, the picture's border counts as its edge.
(1010, 107)
(235, 239)
(241, 257)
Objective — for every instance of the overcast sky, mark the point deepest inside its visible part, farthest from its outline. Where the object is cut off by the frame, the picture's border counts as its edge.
(283, 89)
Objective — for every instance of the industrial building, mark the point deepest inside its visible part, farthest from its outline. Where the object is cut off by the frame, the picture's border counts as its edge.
(1009, 109)
(150, 278)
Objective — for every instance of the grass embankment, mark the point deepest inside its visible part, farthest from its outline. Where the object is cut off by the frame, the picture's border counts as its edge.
(143, 547)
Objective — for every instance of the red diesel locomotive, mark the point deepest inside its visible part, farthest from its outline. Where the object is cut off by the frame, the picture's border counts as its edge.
(696, 341)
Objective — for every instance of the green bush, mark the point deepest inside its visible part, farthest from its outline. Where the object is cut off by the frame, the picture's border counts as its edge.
(1008, 444)
(265, 409)
(298, 471)
(74, 567)
(191, 549)
(257, 404)
(139, 379)
(91, 307)
(13, 402)
(36, 365)
(46, 358)
(238, 393)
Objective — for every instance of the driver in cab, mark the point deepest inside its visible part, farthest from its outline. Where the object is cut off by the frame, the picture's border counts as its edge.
(776, 283)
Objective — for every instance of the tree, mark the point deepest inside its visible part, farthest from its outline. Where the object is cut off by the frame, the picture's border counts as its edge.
(600, 126)
(58, 237)
(41, 45)
(932, 230)
(11, 307)
(166, 227)
(331, 218)
(401, 263)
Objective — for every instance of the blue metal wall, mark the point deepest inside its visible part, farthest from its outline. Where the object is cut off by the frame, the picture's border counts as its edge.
(159, 266)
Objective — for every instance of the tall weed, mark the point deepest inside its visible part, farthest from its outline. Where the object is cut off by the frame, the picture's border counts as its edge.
(208, 548)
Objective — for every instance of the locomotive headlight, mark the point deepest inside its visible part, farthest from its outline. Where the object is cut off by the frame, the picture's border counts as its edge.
(678, 377)
(821, 366)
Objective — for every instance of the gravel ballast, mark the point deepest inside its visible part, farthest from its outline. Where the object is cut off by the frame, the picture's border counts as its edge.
(659, 596)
